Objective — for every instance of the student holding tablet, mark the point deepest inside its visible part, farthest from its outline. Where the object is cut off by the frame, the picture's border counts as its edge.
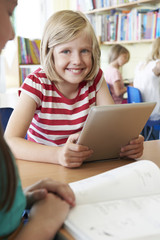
(55, 100)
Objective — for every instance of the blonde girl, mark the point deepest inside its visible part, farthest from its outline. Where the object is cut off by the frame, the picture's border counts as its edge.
(55, 100)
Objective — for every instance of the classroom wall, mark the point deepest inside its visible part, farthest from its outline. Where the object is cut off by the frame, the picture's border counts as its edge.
(11, 65)
(61, 4)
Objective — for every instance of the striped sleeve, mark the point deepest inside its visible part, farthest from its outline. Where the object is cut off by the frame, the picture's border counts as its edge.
(33, 86)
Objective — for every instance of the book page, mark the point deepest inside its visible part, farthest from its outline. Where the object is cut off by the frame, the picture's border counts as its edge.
(135, 179)
(126, 219)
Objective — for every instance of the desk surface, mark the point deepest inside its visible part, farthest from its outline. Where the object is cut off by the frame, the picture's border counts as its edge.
(30, 172)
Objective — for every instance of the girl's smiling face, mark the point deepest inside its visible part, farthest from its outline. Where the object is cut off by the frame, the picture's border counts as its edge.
(6, 30)
(73, 60)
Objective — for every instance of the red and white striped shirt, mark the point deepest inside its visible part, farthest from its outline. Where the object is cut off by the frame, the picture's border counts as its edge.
(56, 117)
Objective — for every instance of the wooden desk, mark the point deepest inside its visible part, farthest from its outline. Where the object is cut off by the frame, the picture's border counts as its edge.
(30, 172)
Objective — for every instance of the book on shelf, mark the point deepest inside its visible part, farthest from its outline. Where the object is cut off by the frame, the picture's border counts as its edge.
(19, 50)
(34, 52)
(36, 49)
(157, 32)
(22, 51)
(149, 25)
(123, 203)
(28, 50)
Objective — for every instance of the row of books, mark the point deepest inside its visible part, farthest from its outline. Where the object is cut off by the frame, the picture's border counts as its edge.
(133, 25)
(87, 5)
(28, 50)
(25, 71)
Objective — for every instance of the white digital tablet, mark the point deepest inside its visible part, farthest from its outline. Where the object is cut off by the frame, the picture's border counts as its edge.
(108, 128)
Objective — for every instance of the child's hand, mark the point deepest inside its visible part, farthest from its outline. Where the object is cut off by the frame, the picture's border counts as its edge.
(134, 149)
(71, 154)
(46, 217)
(39, 191)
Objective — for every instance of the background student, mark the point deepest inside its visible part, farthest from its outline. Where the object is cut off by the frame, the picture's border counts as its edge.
(147, 78)
(55, 100)
(118, 56)
(48, 200)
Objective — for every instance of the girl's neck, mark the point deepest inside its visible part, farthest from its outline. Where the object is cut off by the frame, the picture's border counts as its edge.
(68, 90)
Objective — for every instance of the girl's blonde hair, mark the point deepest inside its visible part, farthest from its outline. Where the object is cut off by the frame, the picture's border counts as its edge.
(155, 51)
(115, 51)
(64, 26)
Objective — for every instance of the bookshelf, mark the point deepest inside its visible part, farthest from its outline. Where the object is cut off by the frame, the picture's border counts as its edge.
(125, 23)
(28, 56)
(127, 42)
(127, 5)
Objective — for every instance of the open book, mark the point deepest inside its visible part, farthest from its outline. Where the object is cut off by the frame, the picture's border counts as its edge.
(123, 203)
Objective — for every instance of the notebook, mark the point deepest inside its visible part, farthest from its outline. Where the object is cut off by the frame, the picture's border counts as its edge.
(108, 128)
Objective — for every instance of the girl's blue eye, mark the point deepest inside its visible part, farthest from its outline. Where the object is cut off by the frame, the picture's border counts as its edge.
(85, 51)
(65, 51)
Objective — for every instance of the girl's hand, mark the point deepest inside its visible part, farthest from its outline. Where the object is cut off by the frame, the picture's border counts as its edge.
(134, 149)
(41, 189)
(71, 154)
(45, 218)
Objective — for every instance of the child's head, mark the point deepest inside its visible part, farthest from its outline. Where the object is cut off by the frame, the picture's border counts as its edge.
(116, 51)
(6, 30)
(155, 52)
(62, 27)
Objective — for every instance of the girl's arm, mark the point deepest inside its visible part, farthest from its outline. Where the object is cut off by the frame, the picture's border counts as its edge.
(17, 128)
(118, 88)
(103, 95)
(70, 155)
(45, 219)
(48, 211)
